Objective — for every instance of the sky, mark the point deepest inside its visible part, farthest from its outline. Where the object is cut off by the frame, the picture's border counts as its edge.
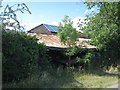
(50, 12)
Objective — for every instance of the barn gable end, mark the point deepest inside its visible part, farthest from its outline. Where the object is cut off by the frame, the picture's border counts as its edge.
(41, 29)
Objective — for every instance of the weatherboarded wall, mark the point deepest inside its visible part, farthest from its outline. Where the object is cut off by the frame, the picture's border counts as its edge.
(40, 30)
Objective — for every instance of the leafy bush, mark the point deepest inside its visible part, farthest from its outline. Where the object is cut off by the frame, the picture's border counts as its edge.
(104, 29)
(44, 63)
(20, 55)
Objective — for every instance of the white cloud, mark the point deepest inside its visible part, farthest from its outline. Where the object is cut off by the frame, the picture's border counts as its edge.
(92, 9)
(77, 21)
(86, 11)
(29, 26)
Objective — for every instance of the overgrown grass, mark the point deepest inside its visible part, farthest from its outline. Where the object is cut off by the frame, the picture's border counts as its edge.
(68, 78)
(96, 81)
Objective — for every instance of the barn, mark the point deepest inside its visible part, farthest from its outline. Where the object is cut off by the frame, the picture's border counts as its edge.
(50, 30)
(48, 34)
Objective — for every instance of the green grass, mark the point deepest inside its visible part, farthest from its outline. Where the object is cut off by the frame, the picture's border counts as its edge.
(95, 81)
(64, 78)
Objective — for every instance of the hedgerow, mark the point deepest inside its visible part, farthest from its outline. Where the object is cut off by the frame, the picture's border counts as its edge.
(20, 54)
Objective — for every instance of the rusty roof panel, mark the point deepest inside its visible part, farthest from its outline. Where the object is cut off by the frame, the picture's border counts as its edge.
(54, 41)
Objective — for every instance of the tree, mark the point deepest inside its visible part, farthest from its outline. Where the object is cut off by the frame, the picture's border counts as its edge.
(9, 14)
(104, 30)
(67, 35)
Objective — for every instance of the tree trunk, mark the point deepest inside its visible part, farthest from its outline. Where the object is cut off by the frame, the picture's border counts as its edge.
(69, 61)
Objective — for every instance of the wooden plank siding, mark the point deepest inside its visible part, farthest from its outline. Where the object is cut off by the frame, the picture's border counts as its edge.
(41, 29)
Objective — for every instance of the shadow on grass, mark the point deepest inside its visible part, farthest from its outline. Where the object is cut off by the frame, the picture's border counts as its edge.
(62, 78)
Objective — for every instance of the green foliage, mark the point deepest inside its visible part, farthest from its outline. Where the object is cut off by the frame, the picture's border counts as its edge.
(67, 33)
(44, 63)
(91, 42)
(104, 30)
(85, 59)
(75, 51)
(72, 51)
(20, 55)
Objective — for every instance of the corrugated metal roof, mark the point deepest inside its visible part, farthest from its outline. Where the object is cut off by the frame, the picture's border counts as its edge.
(54, 41)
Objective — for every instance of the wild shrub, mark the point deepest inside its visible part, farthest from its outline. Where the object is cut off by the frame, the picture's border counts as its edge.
(19, 55)
(44, 61)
